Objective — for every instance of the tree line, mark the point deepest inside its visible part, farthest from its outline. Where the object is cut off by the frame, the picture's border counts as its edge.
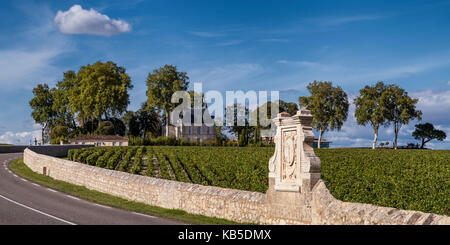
(378, 105)
(94, 100)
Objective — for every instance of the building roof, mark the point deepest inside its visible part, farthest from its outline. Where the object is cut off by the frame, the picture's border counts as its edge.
(99, 138)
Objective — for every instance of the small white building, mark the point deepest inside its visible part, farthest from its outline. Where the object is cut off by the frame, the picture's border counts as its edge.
(100, 140)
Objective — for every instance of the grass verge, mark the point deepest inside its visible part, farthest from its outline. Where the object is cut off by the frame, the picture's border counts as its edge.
(18, 167)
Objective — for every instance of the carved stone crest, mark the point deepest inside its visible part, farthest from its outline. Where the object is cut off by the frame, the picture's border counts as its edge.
(294, 166)
(289, 152)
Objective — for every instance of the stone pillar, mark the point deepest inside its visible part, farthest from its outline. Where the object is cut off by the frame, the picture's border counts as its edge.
(294, 167)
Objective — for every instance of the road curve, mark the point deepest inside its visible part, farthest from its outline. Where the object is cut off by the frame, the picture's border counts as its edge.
(25, 203)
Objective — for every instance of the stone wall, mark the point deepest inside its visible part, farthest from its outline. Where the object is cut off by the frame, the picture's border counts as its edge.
(12, 148)
(49, 150)
(274, 207)
(296, 194)
(56, 150)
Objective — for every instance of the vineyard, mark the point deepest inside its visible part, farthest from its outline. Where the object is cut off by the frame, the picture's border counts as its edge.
(228, 167)
(405, 179)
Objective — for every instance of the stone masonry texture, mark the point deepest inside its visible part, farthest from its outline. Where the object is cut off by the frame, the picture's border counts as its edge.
(315, 206)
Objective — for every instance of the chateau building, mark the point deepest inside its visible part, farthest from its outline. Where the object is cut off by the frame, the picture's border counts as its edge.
(191, 132)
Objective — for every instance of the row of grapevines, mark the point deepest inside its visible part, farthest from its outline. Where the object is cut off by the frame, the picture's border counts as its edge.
(137, 164)
(115, 158)
(124, 164)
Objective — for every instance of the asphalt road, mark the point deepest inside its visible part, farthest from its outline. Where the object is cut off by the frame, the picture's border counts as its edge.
(25, 203)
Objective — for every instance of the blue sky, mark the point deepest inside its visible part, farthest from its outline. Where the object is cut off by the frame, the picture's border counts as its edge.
(230, 45)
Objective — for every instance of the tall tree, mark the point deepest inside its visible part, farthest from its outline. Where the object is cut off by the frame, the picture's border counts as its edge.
(401, 109)
(149, 120)
(328, 105)
(426, 133)
(266, 109)
(64, 116)
(142, 122)
(371, 108)
(101, 91)
(132, 124)
(161, 84)
(241, 127)
(41, 104)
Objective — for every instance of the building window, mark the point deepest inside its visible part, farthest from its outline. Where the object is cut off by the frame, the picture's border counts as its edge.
(207, 130)
(120, 143)
(198, 130)
(114, 143)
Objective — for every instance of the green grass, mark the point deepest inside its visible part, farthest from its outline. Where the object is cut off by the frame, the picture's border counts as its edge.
(22, 170)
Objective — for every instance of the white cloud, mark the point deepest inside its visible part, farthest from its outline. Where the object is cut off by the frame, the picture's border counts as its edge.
(315, 66)
(20, 138)
(345, 72)
(80, 21)
(229, 43)
(33, 56)
(206, 34)
(434, 105)
(274, 40)
(335, 21)
(21, 67)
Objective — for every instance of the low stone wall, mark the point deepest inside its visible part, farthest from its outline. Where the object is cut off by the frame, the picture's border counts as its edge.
(327, 210)
(12, 148)
(241, 206)
(49, 150)
(56, 150)
(275, 207)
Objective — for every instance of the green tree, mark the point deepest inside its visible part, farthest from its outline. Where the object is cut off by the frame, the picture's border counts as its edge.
(401, 109)
(58, 133)
(143, 122)
(105, 128)
(426, 132)
(241, 126)
(100, 91)
(161, 84)
(328, 105)
(371, 108)
(119, 126)
(64, 116)
(132, 124)
(221, 137)
(42, 110)
(266, 108)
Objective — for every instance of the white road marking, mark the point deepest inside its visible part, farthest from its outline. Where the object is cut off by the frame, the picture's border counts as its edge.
(145, 215)
(15, 175)
(24, 180)
(51, 190)
(35, 184)
(37, 211)
(76, 198)
(101, 206)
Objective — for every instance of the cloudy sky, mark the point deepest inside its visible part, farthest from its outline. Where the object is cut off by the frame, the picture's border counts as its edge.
(230, 45)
